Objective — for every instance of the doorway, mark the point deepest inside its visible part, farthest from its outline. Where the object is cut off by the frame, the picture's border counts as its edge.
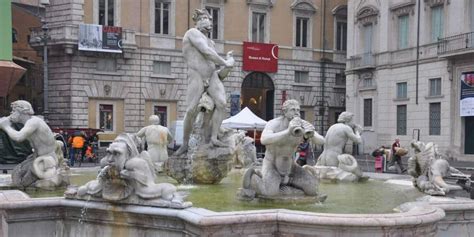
(469, 135)
(258, 93)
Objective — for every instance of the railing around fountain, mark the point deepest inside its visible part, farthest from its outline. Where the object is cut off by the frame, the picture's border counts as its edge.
(456, 43)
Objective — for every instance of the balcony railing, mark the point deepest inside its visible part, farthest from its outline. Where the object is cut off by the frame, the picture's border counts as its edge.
(365, 60)
(456, 43)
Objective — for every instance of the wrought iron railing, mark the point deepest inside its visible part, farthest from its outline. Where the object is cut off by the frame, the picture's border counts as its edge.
(362, 60)
(456, 43)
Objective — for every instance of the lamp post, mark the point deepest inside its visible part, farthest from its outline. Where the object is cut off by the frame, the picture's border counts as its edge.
(44, 39)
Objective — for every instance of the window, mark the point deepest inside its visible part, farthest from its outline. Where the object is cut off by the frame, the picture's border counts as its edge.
(367, 38)
(341, 36)
(437, 23)
(435, 118)
(340, 79)
(106, 65)
(367, 112)
(161, 111)
(301, 77)
(162, 67)
(162, 13)
(106, 117)
(403, 31)
(258, 27)
(435, 86)
(367, 82)
(301, 32)
(402, 90)
(15, 36)
(214, 12)
(303, 114)
(106, 12)
(401, 120)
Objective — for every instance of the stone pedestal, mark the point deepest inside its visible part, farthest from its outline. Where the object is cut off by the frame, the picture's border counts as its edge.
(204, 166)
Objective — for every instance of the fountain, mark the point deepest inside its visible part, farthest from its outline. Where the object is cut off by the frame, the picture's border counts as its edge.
(124, 199)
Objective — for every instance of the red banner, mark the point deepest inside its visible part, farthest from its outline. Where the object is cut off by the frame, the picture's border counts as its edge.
(260, 57)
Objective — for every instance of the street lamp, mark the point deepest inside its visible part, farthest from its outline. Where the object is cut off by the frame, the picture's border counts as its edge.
(44, 39)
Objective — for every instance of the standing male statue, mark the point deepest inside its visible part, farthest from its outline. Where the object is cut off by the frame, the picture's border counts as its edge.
(280, 175)
(41, 168)
(204, 79)
(157, 137)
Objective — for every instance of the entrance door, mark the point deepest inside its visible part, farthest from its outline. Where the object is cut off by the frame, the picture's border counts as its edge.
(469, 135)
(258, 94)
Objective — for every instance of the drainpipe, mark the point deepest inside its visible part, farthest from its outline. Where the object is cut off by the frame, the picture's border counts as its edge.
(322, 108)
(189, 12)
(417, 53)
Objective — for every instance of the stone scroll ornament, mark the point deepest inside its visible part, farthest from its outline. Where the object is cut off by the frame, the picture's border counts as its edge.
(429, 169)
(127, 176)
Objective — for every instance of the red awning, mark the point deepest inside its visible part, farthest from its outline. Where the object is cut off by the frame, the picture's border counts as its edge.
(10, 74)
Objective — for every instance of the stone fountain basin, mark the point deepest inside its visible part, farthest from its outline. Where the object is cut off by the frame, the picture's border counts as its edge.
(23, 216)
(56, 216)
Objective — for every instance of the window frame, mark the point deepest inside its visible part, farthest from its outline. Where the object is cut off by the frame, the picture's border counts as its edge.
(302, 36)
(435, 87)
(301, 72)
(160, 63)
(368, 114)
(216, 23)
(435, 126)
(171, 19)
(117, 10)
(401, 119)
(259, 32)
(403, 43)
(114, 116)
(437, 33)
(163, 122)
(402, 94)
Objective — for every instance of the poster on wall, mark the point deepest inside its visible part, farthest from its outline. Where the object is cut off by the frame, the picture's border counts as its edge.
(467, 94)
(100, 38)
(234, 103)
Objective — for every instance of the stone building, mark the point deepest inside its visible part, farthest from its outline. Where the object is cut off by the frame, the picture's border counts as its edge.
(405, 84)
(118, 91)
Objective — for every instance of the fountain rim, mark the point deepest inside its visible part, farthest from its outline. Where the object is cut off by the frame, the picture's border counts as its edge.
(424, 214)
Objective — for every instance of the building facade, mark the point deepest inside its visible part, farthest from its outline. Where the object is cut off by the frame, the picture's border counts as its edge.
(405, 76)
(117, 92)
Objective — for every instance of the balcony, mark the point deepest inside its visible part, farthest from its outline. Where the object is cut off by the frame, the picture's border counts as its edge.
(362, 61)
(456, 45)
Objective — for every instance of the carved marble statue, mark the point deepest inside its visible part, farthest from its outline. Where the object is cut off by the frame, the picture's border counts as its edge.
(157, 138)
(428, 169)
(333, 163)
(127, 176)
(41, 169)
(205, 92)
(280, 175)
(245, 150)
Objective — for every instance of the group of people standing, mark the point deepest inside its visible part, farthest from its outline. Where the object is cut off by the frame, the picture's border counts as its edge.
(394, 156)
(78, 145)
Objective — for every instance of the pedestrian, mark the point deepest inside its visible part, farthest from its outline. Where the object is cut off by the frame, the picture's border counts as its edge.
(397, 152)
(77, 144)
(304, 152)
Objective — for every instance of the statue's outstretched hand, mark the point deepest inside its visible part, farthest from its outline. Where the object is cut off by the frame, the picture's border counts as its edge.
(229, 60)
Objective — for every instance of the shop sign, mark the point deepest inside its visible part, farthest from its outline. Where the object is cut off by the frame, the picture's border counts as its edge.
(260, 57)
(100, 38)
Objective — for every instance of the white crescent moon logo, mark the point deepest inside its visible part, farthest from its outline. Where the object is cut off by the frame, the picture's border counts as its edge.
(273, 51)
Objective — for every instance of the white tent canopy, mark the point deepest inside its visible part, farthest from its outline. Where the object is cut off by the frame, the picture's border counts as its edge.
(245, 119)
